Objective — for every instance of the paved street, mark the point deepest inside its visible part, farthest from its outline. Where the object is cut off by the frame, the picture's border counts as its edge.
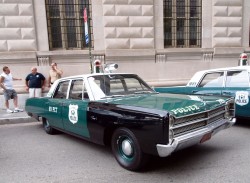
(28, 154)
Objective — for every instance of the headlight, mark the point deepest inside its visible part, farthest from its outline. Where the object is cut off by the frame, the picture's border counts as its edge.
(229, 109)
(171, 135)
(227, 115)
(171, 121)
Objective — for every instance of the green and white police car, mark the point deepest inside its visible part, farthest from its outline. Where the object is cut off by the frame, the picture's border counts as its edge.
(121, 110)
(229, 82)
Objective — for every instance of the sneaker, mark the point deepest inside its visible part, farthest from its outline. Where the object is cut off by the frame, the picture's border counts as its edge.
(9, 111)
(18, 110)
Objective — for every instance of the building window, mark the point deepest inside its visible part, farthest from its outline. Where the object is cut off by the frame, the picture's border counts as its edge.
(182, 23)
(66, 24)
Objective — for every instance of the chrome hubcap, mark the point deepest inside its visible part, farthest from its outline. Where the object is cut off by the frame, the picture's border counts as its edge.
(127, 147)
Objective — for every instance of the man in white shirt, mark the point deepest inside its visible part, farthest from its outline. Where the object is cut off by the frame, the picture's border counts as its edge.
(8, 91)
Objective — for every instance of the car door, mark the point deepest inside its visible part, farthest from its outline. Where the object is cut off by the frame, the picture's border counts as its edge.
(55, 103)
(237, 85)
(210, 84)
(74, 110)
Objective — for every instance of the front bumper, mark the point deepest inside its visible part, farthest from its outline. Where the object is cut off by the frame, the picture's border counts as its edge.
(193, 137)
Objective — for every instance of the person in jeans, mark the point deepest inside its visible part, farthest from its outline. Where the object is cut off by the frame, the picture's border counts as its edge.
(6, 83)
(35, 83)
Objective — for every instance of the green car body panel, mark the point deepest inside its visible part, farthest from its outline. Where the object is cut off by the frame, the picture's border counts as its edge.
(179, 105)
(56, 111)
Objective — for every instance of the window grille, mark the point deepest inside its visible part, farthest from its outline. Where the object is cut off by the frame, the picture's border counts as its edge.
(66, 24)
(182, 23)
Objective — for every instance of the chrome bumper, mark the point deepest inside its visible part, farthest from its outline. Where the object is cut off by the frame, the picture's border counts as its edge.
(193, 137)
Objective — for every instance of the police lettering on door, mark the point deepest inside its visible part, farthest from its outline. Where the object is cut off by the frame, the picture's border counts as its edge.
(53, 109)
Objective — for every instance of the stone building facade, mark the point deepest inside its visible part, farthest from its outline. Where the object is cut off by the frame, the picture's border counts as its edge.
(127, 32)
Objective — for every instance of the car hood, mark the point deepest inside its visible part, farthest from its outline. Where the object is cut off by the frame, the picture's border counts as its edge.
(177, 104)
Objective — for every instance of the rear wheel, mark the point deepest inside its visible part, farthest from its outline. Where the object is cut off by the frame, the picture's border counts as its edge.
(48, 129)
(127, 150)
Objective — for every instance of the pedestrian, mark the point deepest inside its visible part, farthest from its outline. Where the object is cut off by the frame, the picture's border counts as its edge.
(35, 83)
(54, 74)
(6, 83)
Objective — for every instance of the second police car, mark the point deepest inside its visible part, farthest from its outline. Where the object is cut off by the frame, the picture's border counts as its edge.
(229, 82)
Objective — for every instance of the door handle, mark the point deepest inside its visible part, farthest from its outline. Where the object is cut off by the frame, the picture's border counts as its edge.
(226, 93)
(194, 91)
(93, 118)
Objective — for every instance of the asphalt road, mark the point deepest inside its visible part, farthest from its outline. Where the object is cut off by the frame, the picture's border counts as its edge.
(28, 154)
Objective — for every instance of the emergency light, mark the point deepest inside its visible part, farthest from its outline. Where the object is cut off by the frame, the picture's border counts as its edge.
(97, 66)
(243, 59)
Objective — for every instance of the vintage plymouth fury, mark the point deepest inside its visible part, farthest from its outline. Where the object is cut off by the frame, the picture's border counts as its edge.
(230, 81)
(122, 111)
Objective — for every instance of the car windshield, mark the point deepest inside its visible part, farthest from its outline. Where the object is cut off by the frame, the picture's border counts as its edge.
(116, 85)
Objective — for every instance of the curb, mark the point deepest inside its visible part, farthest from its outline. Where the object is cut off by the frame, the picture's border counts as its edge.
(17, 120)
(14, 118)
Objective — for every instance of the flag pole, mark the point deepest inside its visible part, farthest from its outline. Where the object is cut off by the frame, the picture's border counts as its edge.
(87, 31)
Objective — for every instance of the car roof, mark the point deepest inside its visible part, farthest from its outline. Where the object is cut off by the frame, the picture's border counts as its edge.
(197, 76)
(227, 69)
(94, 74)
(84, 76)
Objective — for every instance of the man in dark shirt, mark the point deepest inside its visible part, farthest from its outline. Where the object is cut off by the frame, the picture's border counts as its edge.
(35, 83)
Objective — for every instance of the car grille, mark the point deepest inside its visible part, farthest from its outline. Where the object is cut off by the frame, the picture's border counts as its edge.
(190, 123)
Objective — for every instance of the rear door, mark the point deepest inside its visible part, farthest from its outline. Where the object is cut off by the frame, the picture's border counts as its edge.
(237, 85)
(54, 105)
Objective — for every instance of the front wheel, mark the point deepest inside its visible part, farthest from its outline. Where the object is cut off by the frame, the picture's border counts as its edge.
(48, 129)
(127, 150)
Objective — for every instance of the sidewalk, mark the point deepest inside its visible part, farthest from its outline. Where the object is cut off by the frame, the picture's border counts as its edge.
(14, 118)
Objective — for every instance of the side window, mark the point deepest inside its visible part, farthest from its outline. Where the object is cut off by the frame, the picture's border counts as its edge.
(61, 90)
(212, 80)
(77, 90)
(237, 79)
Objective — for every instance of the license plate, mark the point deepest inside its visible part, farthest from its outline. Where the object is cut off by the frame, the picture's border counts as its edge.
(206, 137)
